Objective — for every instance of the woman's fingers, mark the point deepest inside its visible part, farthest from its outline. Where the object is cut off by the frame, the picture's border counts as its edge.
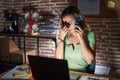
(63, 32)
(78, 28)
(65, 29)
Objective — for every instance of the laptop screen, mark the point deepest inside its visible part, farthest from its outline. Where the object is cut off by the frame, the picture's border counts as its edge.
(44, 68)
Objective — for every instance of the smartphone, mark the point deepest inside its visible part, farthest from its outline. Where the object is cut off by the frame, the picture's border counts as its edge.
(76, 28)
(79, 22)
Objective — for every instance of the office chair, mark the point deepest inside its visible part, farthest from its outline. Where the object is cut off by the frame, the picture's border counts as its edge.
(91, 67)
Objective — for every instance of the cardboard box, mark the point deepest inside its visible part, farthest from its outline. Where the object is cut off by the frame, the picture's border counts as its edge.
(4, 48)
(18, 56)
(12, 46)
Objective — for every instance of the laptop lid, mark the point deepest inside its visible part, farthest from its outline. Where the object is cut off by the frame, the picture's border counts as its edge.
(44, 68)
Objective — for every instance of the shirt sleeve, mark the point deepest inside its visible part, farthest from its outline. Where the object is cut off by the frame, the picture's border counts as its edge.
(92, 39)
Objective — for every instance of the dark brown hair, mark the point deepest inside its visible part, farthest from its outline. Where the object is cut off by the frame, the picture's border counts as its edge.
(73, 11)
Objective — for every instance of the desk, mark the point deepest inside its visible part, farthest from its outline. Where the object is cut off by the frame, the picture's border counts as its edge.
(46, 36)
(96, 75)
(111, 77)
(80, 73)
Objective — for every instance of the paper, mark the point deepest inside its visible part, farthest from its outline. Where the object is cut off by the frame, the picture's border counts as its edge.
(111, 4)
(102, 70)
(74, 76)
(93, 78)
(14, 70)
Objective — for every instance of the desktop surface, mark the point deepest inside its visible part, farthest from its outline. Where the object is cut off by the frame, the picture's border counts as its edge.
(78, 73)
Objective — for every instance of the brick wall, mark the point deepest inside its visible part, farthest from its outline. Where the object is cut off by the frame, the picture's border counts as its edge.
(108, 40)
(107, 30)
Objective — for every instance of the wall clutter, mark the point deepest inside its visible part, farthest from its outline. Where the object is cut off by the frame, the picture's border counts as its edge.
(107, 30)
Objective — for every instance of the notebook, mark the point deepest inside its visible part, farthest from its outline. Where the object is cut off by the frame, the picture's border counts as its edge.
(44, 68)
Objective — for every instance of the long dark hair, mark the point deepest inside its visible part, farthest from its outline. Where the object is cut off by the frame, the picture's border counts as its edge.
(73, 11)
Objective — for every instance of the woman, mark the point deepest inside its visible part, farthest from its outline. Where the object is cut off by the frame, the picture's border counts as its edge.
(77, 43)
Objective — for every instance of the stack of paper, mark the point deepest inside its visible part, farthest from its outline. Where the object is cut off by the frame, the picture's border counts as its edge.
(102, 70)
(92, 78)
(17, 73)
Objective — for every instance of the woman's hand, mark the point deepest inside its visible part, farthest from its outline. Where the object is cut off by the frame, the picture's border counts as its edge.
(59, 53)
(63, 32)
(87, 51)
(80, 33)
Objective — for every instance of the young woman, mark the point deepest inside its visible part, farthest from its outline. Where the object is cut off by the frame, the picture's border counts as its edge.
(77, 42)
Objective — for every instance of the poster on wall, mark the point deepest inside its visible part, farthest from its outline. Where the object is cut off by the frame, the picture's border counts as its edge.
(89, 7)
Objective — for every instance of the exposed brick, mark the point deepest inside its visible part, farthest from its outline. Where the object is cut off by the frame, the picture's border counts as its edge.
(7, 0)
(31, 0)
(57, 0)
(45, 1)
(19, 1)
(107, 30)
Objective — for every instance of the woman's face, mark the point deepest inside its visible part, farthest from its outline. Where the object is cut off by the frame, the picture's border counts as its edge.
(71, 20)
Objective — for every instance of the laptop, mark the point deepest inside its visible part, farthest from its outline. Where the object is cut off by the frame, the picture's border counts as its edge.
(44, 68)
